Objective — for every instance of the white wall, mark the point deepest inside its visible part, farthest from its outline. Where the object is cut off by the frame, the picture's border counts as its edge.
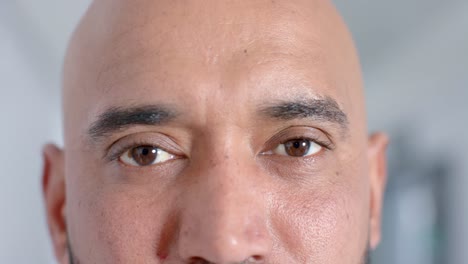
(415, 60)
(33, 36)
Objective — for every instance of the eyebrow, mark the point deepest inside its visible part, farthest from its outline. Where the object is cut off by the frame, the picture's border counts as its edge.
(118, 118)
(323, 109)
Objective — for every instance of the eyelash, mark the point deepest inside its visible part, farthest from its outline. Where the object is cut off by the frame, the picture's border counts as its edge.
(327, 145)
(115, 155)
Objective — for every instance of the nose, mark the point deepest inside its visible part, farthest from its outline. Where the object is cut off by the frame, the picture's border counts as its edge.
(224, 216)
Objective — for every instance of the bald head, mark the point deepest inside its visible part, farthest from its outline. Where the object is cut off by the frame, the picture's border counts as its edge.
(167, 43)
(215, 132)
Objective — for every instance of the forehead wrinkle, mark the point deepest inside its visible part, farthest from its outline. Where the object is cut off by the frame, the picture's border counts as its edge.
(260, 22)
(148, 38)
(282, 34)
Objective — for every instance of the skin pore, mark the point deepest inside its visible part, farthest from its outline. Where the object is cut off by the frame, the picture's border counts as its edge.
(214, 132)
(74, 260)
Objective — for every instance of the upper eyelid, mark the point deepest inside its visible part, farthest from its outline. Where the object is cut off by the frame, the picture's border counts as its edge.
(156, 139)
(299, 132)
(161, 140)
(302, 128)
(115, 154)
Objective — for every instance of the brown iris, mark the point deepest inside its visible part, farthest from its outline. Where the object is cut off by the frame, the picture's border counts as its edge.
(144, 155)
(297, 147)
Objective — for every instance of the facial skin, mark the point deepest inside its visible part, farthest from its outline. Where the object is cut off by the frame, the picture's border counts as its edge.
(255, 113)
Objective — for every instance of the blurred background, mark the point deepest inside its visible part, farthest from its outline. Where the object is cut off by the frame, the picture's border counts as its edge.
(415, 60)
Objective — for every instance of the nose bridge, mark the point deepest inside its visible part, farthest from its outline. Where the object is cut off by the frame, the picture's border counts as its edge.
(224, 217)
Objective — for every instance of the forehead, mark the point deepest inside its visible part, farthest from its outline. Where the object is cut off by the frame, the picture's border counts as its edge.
(174, 42)
(210, 23)
(211, 34)
(186, 52)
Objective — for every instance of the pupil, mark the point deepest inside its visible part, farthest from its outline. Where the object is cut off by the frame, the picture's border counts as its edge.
(145, 151)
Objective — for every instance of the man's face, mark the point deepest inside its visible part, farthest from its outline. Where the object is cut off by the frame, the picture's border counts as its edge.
(216, 132)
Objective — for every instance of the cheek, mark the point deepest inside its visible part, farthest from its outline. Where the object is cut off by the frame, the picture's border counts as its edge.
(323, 225)
(114, 223)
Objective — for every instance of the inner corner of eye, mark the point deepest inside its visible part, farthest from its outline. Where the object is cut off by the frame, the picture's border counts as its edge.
(267, 152)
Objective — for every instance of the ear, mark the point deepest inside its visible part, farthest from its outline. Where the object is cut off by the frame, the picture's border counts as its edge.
(378, 176)
(53, 187)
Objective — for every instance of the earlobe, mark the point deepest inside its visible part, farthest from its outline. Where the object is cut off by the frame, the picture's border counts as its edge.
(378, 176)
(53, 187)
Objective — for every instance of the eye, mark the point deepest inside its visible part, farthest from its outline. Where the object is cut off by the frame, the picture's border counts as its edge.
(145, 156)
(297, 148)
